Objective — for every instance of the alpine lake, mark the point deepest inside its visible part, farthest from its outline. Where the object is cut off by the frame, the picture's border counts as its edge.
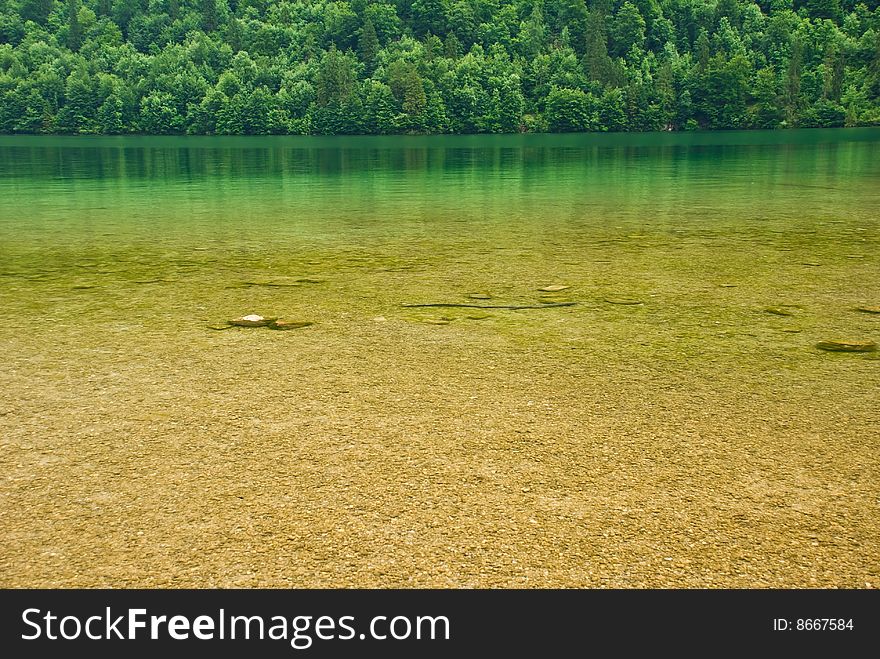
(660, 417)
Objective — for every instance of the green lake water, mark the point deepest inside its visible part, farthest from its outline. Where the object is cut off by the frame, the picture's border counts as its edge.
(693, 226)
(693, 436)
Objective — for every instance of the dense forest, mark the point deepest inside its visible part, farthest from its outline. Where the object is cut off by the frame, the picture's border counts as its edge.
(435, 66)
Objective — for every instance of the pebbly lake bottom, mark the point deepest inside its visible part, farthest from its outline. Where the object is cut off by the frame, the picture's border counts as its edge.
(676, 427)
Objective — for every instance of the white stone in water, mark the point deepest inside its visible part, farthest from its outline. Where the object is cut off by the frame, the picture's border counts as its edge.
(254, 318)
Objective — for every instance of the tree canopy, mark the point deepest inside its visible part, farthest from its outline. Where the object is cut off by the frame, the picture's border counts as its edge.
(435, 66)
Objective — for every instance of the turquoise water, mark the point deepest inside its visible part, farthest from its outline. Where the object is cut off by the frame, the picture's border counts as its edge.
(409, 220)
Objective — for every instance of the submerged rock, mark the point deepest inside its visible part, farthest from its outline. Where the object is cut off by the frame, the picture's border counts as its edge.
(543, 305)
(255, 320)
(623, 300)
(779, 311)
(480, 296)
(432, 320)
(274, 283)
(251, 320)
(289, 324)
(847, 346)
(553, 288)
(868, 309)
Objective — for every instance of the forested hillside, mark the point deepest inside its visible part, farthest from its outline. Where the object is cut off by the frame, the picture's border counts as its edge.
(435, 66)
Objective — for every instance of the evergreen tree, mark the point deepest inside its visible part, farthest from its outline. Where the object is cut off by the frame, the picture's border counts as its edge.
(769, 108)
(452, 47)
(379, 108)
(874, 67)
(110, 116)
(124, 11)
(793, 82)
(428, 17)
(628, 29)
(81, 103)
(74, 31)
(36, 10)
(703, 52)
(409, 92)
(368, 45)
(532, 36)
(833, 70)
(210, 17)
(597, 62)
(336, 78)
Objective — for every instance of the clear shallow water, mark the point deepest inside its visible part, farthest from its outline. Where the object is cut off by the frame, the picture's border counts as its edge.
(384, 445)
